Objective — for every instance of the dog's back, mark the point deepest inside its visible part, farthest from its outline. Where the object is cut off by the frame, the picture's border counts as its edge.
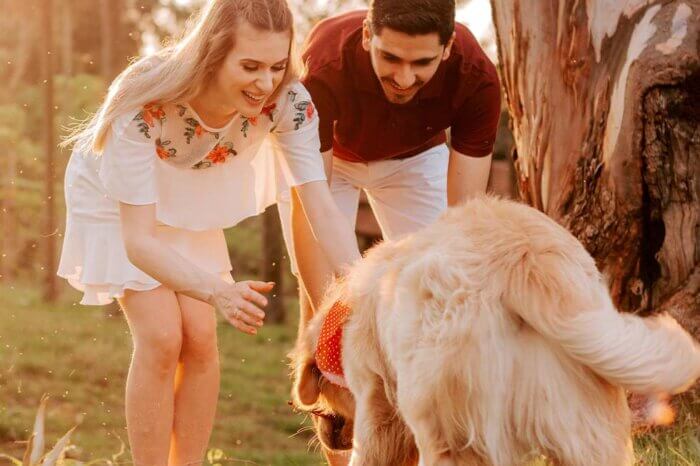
(498, 338)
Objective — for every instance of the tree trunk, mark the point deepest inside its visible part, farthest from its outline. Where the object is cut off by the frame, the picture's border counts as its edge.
(25, 47)
(107, 40)
(604, 99)
(8, 214)
(67, 39)
(50, 285)
(25, 26)
(273, 250)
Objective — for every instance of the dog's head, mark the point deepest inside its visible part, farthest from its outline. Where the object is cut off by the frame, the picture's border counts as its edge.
(332, 407)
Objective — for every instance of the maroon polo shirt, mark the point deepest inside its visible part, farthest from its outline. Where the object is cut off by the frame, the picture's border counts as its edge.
(361, 125)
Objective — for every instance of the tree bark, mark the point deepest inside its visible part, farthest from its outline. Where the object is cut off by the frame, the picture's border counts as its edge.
(9, 241)
(107, 40)
(273, 250)
(604, 99)
(50, 285)
(67, 39)
(8, 214)
(23, 12)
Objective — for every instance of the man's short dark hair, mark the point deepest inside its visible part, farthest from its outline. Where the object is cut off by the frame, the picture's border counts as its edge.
(414, 17)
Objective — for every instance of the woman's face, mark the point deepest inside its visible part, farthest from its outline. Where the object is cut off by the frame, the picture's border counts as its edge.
(253, 69)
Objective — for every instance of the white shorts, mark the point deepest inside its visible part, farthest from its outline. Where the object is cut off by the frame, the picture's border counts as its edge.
(404, 194)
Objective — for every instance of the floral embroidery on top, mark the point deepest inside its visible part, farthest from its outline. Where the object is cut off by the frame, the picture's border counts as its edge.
(219, 154)
(193, 129)
(270, 111)
(247, 121)
(305, 109)
(162, 151)
(147, 117)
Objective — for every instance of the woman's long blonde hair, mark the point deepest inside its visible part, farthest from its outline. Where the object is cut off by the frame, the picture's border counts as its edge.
(178, 72)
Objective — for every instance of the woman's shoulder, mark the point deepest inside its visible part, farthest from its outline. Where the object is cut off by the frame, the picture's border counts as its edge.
(148, 119)
(293, 91)
(143, 121)
(296, 107)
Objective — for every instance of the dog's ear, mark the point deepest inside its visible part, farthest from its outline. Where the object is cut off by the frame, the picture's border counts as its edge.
(306, 385)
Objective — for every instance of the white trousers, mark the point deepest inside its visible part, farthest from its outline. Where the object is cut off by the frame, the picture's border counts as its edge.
(404, 194)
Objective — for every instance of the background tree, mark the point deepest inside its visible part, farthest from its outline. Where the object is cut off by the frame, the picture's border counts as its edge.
(66, 40)
(47, 54)
(107, 35)
(272, 265)
(12, 124)
(604, 99)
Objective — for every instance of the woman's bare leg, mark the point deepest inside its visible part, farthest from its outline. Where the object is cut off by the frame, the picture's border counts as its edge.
(197, 383)
(156, 330)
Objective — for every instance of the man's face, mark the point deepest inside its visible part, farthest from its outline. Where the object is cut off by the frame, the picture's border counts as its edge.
(402, 62)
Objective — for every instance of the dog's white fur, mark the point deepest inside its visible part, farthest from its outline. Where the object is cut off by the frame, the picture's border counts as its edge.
(492, 337)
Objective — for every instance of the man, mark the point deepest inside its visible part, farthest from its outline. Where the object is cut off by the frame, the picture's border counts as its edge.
(387, 84)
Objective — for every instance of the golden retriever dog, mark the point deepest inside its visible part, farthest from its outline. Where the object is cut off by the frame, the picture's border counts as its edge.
(486, 339)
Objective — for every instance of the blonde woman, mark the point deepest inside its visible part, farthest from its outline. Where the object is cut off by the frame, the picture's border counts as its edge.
(186, 143)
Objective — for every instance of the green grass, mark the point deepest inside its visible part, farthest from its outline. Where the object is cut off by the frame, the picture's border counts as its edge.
(677, 445)
(80, 358)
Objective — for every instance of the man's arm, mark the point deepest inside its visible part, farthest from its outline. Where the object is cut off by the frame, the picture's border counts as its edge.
(315, 267)
(466, 176)
(328, 164)
(319, 232)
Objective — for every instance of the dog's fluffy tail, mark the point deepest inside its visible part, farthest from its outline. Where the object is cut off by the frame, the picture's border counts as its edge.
(571, 306)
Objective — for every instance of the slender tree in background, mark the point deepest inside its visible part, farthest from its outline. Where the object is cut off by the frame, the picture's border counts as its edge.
(8, 215)
(9, 238)
(50, 282)
(106, 39)
(67, 38)
(273, 250)
(604, 99)
(20, 18)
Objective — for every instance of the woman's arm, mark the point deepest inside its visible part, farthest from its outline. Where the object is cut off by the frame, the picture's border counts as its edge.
(324, 242)
(239, 303)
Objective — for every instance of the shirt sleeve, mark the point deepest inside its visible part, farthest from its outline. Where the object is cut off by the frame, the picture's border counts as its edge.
(326, 107)
(127, 168)
(473, 131)
(296, 138)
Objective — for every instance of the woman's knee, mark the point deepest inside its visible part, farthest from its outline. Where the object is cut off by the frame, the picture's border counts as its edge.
(199, 343)
(156, 327)
(159, 347)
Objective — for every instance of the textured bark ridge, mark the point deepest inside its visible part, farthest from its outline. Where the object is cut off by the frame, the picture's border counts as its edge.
(605, 100)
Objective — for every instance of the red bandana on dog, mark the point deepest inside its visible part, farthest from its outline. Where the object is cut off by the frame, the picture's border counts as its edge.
(329, 349)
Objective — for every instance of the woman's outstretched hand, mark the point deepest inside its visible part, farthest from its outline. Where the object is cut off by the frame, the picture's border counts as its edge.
(241, 303)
